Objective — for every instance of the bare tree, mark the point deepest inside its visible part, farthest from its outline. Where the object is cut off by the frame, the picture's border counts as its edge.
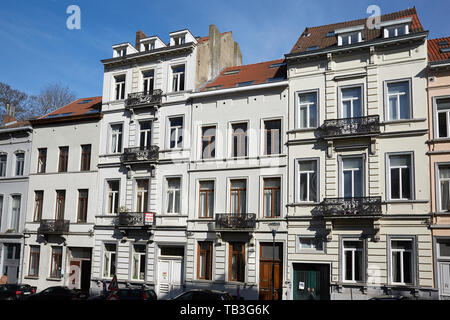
(50, 98)
(16, 98)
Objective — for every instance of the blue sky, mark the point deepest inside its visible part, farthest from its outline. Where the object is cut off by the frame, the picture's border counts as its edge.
(38, 49)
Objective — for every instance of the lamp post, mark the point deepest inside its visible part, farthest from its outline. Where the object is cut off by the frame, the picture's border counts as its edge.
(273, 227)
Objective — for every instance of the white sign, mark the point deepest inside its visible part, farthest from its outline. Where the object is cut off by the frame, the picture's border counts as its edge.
(301, 286)
(149, 218)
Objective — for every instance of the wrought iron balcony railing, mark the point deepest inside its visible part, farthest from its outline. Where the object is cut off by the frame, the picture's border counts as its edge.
(142, 99)
(242, 221)
(351, 126)
(54, 226)
(141, 154)
(136, 219)
(348, 207)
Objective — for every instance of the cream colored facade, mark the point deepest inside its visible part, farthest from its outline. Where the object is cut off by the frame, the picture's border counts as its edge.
(369, 67)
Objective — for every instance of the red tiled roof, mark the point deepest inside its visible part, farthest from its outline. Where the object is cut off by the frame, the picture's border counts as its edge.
(257, 73)
(434, 49)
(78, 107)
(17, 124)
(318, 35)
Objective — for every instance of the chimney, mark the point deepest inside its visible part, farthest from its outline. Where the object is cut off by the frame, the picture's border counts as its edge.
(9, 116)
(139, 35)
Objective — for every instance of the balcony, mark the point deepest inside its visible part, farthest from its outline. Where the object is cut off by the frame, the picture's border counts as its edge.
(143, 99)
(140, 154)
(54, 227)
(135, 221)
(363, 207)
(343, 128)
(228, 222)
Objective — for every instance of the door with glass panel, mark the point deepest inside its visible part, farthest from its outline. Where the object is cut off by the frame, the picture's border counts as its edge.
(238, 195)
(141, 195)
(145, 135)
(351, 104)
(352, 178)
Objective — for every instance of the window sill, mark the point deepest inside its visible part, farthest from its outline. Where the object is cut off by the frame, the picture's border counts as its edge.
(31, 277)
(302, 204)
(404, 201)
(54, 279)
(305, 130)
(388, 122)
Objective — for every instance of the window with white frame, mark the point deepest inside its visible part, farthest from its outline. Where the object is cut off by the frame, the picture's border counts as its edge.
(176, 133)
(109, 260)
(206, 199)
(56, 263)
(145, 134)
(208, 142)
(239, 140)
(351, 102)
(141, 195)
(20, 159)
(353, 260)
(444, 187)
(308, 180)
(173, 195)
(238, 197)
(179, 40)
(349, 38)
(272, 197)
(307, 110)
(121, 52)
(352, 177)
(443, 250)
(3, 161)
(443, 118)
(398, 100)
(113, 196)
(309, 243)
(400, 177)
(116, 138)
(178, 77)
(139, 262)
(120, 87)
(272, 137)
(148, 81)
(402, 261)
(396, 31)
(15, 217)
(1, 210)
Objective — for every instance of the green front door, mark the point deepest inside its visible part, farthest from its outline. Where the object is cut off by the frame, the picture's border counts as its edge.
(306, 285)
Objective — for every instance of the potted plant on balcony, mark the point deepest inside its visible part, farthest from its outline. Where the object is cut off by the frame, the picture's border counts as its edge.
(123, 209)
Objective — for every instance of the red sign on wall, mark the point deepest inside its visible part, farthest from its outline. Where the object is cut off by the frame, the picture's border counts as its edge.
(149, 218)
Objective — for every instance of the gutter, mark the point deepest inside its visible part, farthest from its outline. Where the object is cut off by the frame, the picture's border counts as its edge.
(239, 89)
(6, 130)
(439, 64)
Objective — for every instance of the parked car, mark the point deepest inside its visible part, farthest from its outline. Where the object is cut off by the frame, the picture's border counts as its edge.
(15, 291)
(127, 294)
(58, 293)
(202, 294)
(389, 297)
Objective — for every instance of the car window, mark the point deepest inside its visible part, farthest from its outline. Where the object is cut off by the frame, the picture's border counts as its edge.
(186, 296)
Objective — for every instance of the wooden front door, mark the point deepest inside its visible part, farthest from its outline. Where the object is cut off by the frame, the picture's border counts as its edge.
(267, 260)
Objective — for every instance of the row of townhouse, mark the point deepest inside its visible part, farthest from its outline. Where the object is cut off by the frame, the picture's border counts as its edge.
(324, 172)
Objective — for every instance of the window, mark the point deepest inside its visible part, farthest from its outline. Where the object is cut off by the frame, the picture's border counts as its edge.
(402, 268)
(109, 260)
(238, 197)
(3, 160)
(20, 158)
(42, 159)
(443, 118)
(113, 196)
(307, 110)
(60, 204)
(400, 177)
(63, 159)
(55, 270)
(353, 260)
(236, 262)
(206, 199)
(121, 52)
(305, 243)
(15, 218)
(176, 133)
(204, 261)
(12, 251)
(148, 81)
(444, 188)
(272, 198)
(120, 87)
(173, 195)
(178, 78)
(208, 142)
(116, 138)
(38, 203)
(85, 157)
(352, 177)
(351, 102)
(396, 31)
(141, 195)
(1, 210)
(145, 134)
(239, 140)
(443, 248)
(349, 38)
(83, 195)
(272, 137)
(398, 100)
(138, 262)
(179, 40)
(308, 181)
(33, 267)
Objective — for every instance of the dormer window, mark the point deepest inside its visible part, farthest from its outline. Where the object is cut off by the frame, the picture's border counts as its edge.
(149, 46)
(349, 38)
(121, 52)
(396, 31)
(179, 40)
